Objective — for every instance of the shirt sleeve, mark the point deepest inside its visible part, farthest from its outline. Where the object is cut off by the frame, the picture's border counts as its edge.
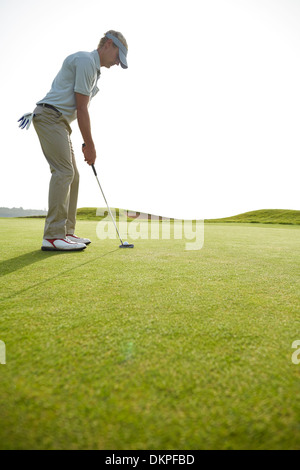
(84, 77)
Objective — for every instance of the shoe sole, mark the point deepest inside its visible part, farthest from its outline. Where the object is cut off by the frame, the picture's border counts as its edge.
(86, 243)
(45, 248)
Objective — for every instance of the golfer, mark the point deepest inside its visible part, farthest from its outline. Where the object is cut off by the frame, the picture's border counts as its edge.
(69, 98)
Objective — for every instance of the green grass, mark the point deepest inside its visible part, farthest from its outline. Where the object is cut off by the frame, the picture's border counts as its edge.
(151, 348)
(264, 216)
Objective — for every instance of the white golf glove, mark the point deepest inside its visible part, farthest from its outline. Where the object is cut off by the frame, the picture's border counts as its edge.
(26, 120)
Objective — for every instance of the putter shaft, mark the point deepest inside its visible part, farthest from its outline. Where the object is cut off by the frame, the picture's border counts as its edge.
(95, 173)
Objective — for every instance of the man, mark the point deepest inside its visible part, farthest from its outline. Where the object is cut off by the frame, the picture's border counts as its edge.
(69, 98)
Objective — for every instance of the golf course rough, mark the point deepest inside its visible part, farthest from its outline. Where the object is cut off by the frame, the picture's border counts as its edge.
(151, 348)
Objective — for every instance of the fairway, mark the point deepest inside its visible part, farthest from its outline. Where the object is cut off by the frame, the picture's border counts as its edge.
(150, 348)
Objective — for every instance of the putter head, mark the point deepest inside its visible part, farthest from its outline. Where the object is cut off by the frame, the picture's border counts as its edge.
(126, 245)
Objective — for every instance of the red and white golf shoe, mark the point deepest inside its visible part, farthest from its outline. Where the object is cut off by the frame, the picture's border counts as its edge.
(74, 238)
(61, 244)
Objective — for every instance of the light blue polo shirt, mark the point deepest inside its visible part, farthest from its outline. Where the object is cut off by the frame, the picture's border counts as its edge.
(79, 73)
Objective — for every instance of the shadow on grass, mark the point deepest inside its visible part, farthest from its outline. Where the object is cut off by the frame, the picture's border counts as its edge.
(19, 262)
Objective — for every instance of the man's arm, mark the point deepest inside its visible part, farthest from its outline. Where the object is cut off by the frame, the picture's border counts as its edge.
(84, 124)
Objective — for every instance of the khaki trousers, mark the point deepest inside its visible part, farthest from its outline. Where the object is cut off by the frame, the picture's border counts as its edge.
(54, 134)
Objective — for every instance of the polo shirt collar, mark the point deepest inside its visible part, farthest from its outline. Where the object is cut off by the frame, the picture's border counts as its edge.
(97, 60)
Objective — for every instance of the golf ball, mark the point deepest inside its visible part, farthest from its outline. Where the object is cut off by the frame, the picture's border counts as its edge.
(125, 243)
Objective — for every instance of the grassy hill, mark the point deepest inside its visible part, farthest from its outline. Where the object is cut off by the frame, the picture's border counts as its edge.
(90, 213)
(264, 216)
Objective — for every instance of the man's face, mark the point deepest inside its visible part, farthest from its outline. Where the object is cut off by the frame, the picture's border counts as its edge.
(111, 55)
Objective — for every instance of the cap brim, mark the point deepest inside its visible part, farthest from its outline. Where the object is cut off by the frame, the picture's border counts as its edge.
(123, 59)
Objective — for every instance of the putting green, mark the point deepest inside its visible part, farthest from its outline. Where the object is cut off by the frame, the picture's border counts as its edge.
(151, 348)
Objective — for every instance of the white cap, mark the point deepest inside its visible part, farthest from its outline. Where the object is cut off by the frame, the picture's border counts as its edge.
(122, 50)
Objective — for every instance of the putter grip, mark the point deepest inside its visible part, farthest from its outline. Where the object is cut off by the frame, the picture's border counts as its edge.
(94, 170)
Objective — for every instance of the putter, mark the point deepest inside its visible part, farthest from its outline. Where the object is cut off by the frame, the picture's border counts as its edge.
(123, 244)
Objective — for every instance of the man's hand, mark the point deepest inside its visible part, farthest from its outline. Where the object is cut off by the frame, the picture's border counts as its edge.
(89, 153)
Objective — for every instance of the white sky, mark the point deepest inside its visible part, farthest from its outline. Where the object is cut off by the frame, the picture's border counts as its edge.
(204, 123)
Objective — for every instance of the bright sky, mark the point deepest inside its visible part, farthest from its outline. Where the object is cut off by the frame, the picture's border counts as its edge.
(204, 123)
